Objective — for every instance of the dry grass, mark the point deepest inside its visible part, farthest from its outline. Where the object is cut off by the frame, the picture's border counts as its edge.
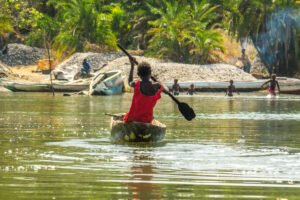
(233, 51)
(27, 73)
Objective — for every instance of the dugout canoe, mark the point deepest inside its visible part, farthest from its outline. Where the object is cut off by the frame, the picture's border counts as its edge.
(72, 86)
(27, 87)
(46, 87)
(108, 83)
(136, 131)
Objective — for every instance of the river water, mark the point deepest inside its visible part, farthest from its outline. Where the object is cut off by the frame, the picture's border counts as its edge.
(247, 147)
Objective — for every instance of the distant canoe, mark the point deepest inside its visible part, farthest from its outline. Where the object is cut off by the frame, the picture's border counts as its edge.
(287, 85)
(108, 83)
(136, 131)
(27, 87)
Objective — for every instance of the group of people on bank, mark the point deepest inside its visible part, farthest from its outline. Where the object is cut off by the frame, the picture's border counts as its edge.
(175, 89)
(273, 83)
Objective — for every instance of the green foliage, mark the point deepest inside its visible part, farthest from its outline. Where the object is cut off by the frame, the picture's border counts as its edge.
(23, 16)
(86, 21)
(184, 33)
(46, 27)
(180, 30)
(5, 25)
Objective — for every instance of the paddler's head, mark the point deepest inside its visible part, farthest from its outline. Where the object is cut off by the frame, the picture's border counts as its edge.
(273, 76)
(144, 71)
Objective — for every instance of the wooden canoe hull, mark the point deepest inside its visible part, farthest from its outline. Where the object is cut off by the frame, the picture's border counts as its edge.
(70, 88)
(45, 87)
(136, 131)
(287, 85)
(18, 87)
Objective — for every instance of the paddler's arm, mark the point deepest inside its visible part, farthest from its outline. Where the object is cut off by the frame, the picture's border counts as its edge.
(130, 77)
(278, 86)
(265, 83)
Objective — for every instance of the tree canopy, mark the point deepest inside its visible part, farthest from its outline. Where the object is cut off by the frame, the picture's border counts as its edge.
(179, 30)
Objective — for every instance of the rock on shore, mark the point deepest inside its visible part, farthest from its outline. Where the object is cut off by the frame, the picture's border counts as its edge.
(167, 71)
(19, 54)
(72, 65)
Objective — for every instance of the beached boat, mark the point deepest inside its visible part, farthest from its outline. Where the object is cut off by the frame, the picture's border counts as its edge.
(136, 131)
(73, 86)
(28, 87)
(108, 83)
(287, 85)
(46, 87)
(216, 86)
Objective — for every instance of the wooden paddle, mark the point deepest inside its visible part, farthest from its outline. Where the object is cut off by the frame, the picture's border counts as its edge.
(184, 108)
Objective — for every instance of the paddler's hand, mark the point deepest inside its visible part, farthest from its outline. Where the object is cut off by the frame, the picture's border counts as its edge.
(132, 61)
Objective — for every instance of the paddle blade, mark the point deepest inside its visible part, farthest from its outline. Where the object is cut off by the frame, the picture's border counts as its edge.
(186, 111)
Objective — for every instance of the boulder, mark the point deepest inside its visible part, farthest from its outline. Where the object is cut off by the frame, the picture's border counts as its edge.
(19, 54)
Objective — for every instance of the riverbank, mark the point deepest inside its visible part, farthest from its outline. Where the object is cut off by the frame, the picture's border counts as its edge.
(68, 70)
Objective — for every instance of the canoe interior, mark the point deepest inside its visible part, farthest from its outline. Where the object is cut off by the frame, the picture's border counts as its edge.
(108, 83)
(136, 131)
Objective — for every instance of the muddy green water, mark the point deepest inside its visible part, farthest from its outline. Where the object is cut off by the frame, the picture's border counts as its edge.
(59, 148)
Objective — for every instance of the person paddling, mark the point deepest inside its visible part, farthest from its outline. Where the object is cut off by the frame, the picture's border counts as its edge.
(231, 88)
(273, 83)
(146, 94)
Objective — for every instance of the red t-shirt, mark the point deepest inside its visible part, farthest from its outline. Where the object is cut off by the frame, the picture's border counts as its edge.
(142, 106)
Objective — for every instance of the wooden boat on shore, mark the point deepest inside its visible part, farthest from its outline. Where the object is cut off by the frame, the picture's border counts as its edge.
(287, 85)
(46, 87)
(108, 83)
(73, 86)
(28, 87)
(136, 131)
(219, 86)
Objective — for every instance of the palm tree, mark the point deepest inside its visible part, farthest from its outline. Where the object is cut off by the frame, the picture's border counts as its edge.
(168, 31)
(184, 32)
(82, 23)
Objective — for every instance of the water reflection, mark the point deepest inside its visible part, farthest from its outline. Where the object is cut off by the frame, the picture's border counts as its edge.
(142, 170)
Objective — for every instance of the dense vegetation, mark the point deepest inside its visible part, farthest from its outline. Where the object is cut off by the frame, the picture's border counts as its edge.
(179, 30)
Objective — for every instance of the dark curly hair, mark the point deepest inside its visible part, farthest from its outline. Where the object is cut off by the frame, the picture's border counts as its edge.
(144, 69)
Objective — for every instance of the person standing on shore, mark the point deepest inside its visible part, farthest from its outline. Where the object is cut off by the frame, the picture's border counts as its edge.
(175, 88)
(231, 88)
(246, 62)
(272, 87)
(146, 94)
